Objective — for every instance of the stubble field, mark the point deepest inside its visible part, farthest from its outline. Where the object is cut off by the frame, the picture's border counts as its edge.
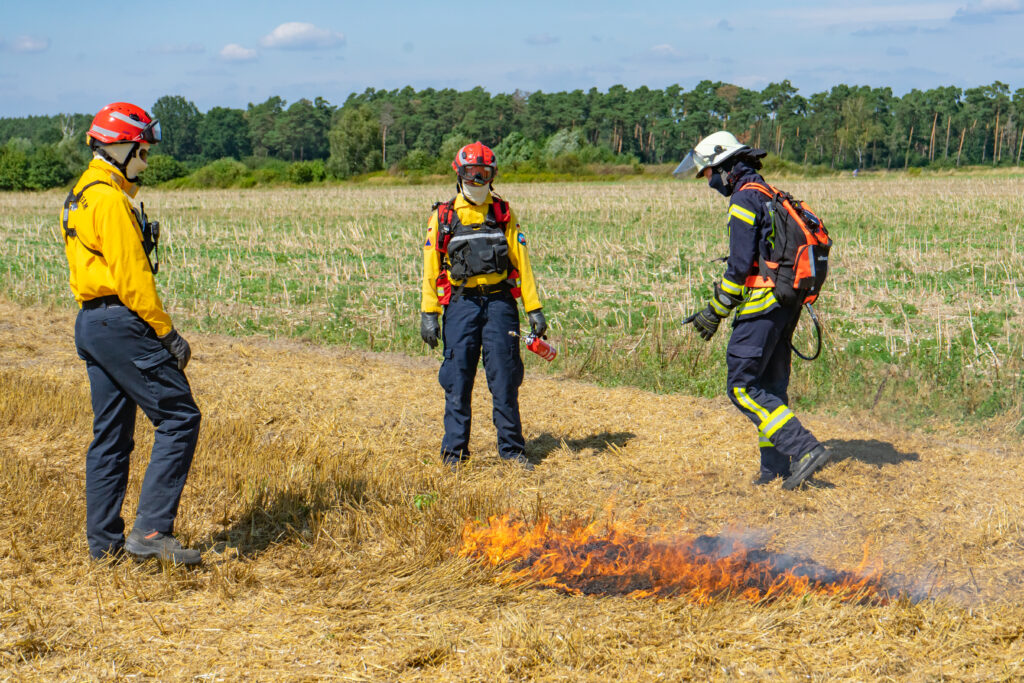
(331, 534)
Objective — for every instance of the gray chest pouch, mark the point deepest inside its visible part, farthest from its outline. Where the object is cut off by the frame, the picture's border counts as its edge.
(477, 250)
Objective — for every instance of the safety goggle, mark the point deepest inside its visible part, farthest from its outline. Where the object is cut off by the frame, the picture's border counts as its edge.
(151, 133)
(478, 174)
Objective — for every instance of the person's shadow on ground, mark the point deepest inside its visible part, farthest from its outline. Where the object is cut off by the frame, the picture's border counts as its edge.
(542, 446)
(286, 514)
(870, 451)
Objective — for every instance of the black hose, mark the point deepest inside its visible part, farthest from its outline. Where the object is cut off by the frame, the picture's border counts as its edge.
(817, 330)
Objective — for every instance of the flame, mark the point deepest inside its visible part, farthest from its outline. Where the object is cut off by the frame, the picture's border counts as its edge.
(610, 558)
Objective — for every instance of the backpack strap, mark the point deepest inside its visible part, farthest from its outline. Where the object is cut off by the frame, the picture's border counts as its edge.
(767, 191)
(446, 218)
(70, 204)
(499, 207)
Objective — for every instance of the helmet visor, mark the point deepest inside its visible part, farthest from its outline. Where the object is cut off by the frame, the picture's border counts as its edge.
(478, 174)
(151, 133)
(692, 165)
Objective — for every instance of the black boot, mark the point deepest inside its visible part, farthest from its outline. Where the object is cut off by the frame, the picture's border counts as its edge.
(806, 466)
(765, 478)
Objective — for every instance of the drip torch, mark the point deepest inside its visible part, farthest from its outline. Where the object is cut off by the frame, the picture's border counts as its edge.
(538, 345)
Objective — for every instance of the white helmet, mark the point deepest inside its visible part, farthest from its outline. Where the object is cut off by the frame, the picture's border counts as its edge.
(712, 151)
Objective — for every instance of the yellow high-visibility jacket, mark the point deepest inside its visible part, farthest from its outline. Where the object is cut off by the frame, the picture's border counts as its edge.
(105, 223)
(471, 214)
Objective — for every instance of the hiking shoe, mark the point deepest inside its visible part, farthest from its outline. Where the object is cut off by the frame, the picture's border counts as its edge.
(520, 460)
(161, 546)
(806, 466)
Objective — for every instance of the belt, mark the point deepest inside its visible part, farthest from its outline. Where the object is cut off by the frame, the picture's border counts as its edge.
(102, 301)
(486, 290)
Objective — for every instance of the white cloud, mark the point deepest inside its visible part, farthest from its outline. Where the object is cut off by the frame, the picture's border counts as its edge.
(664, 50)
(29, 44)
(987, 10)
(233, 52)
(667, 54)
(297, 35)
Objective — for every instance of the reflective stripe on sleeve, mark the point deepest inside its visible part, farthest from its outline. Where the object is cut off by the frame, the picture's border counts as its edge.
(744, 215)
(730, 287)
(721, 310)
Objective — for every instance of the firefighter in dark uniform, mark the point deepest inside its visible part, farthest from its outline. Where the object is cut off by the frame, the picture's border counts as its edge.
(132, 353)
(759, 351)
(475, 265)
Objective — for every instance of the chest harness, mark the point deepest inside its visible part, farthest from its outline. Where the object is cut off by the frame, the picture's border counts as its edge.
(466, 251)
(150, 229)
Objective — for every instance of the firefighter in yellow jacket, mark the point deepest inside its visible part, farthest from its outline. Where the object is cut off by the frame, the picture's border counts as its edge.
(475, 265)
(133, 355)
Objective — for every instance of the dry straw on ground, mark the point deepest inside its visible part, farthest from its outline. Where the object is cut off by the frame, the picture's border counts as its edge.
(329, 531)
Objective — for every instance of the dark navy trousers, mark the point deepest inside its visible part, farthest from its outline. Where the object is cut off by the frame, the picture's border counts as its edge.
(128, 367)
(759, 358)
(471, 324)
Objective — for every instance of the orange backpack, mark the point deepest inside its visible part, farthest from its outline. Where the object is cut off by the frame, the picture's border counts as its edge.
(794, 255)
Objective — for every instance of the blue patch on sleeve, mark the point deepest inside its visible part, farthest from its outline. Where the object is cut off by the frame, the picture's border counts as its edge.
(522, 239)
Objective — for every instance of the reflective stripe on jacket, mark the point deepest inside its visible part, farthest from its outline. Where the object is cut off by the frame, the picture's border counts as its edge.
(749, 220)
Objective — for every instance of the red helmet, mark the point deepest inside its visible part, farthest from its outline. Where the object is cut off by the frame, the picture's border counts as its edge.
(476, 163)
(124, 122)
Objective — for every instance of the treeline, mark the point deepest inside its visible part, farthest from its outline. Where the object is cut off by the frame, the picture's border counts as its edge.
(418, 132)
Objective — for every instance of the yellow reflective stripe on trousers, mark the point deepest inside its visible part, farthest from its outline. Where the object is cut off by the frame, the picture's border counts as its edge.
(744, 398)
(773, 423)
(733, 288)
(763, 441)
(747, 217)
(758, 302)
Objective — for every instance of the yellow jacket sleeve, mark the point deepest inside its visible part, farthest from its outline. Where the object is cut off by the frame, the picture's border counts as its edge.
(121, 244)
(431, 268)
(521, 261)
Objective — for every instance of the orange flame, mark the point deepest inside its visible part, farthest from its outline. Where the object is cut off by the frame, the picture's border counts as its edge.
(592, 558)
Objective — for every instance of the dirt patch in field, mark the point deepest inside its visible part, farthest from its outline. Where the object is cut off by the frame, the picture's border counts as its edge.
(330, 531)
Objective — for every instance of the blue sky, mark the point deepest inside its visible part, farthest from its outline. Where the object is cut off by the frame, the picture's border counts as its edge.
(73, 56)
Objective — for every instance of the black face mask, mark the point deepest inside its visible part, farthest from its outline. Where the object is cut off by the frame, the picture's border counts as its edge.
(717, 181)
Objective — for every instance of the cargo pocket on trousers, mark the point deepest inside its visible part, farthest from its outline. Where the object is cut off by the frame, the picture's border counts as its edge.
(744, 350)
(151, 361)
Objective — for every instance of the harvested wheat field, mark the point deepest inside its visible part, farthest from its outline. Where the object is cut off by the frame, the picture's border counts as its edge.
(336, 546)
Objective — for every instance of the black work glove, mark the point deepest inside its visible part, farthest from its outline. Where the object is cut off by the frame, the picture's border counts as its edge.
(538, 325)
(430, 330)
(178, 347)
(706, 322)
